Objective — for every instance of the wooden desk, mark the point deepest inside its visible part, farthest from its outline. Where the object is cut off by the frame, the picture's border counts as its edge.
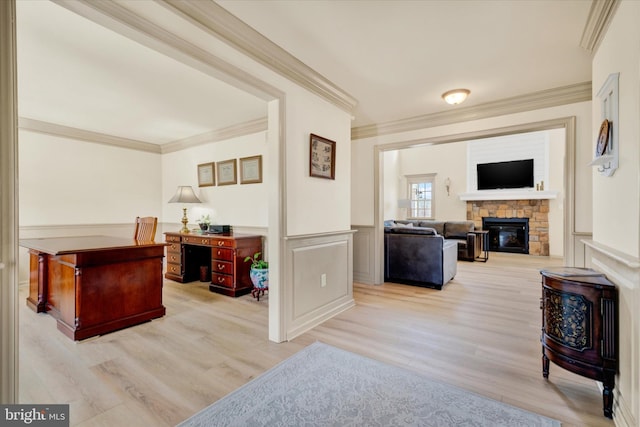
(223, 254)
(95, 284)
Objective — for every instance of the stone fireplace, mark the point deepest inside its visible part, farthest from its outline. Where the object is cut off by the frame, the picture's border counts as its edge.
(536, 210)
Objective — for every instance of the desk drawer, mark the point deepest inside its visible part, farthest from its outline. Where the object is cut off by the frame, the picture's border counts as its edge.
(196, 240)
(174, 247)
(173, 239)
(221, 267)
(174, 257)
(222, 253)
(222, 280)
(223, 243)
(175, 269)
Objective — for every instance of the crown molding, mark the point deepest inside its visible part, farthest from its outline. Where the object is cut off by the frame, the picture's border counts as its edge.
(600, 16)
(242, 129)
(85, 135)
(225, 26)
(570, 94)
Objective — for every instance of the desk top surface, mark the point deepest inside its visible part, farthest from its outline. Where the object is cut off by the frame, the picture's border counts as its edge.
(67, 245)
(229, 235)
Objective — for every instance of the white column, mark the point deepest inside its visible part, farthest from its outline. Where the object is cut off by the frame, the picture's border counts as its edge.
(8, 205)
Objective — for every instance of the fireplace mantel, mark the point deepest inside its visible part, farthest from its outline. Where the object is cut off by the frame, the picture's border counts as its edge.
(508, 195)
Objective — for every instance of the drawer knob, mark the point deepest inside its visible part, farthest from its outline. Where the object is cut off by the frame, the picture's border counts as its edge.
(221, 243)
(220, 279)
(220, 266)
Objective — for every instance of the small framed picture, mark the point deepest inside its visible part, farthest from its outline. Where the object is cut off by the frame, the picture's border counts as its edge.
(322, 157)
(227, 172)
(206, 178)
(251, 170)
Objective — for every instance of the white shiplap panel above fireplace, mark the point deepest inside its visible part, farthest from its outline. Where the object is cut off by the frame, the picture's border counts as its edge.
(533, 145)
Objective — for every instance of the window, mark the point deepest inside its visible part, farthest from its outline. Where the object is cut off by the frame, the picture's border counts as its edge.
(421, 197)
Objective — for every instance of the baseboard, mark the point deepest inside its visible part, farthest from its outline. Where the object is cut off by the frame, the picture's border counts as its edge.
(315, 321)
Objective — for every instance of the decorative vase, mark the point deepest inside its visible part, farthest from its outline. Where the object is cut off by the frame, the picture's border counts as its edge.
(259, 277)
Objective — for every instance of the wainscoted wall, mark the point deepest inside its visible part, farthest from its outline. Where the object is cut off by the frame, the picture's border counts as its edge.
(536, 210)
(363, 254)
(624, 271)
(320, 277)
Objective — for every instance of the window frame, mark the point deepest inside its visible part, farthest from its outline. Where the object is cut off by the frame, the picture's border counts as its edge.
(420, 179)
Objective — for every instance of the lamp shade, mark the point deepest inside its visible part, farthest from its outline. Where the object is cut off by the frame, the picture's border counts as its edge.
(185, 194)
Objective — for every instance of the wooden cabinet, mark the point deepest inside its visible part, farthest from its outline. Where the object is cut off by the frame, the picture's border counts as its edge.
(579, 326)
(224, 254)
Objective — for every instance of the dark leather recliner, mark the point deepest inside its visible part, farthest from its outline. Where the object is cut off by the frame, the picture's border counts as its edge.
(418, 256)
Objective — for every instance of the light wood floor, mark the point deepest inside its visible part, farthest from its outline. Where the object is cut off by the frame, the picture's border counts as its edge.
(481, 333)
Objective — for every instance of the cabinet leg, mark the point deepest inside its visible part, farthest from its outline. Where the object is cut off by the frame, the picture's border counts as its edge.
(607, 397)
(545, 366)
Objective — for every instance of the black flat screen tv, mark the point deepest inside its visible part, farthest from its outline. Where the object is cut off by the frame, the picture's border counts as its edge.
(513, 174)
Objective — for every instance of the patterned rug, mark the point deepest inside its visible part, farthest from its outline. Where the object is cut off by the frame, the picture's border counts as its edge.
(326, 386)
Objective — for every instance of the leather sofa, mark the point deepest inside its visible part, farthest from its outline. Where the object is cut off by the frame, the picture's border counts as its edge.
(418, 256)
(459, 231)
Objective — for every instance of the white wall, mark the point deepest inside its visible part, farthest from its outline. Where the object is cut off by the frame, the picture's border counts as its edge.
(445, 160)
(64, 181)
(392, 183)
(362, 151)
(235, 204)
(616, 201)
(616, 206)
(316, 205)
(450, 160)
(555, 182)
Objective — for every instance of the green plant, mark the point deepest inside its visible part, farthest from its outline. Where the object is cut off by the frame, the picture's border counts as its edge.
(257, 262)
(204, 219)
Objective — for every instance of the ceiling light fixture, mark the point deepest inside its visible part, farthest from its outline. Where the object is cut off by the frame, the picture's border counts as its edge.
(456, 96)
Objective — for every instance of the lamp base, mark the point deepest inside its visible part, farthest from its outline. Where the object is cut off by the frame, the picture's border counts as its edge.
(185, 221)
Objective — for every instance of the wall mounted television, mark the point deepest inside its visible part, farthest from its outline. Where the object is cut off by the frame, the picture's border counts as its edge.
(512, 174)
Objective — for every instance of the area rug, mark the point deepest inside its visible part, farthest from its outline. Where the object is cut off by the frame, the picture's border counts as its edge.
(325, 386)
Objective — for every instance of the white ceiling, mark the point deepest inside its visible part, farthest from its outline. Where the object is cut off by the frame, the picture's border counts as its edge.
(395, 57)
(75, 73)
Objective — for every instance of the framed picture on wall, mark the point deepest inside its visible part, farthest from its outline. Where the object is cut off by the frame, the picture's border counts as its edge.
(206, 178)
(322, 157)
(227, 172)
(251, 170)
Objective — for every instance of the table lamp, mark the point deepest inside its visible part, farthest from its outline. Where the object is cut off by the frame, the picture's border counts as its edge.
(184, 194)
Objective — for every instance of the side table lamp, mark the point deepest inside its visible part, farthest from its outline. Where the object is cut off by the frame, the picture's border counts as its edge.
(184, 194)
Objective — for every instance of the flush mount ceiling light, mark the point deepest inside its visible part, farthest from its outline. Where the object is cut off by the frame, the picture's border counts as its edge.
(456, 96)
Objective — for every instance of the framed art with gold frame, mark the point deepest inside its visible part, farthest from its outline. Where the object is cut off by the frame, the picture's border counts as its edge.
(206, 177)
(226, 171)
(251, 170)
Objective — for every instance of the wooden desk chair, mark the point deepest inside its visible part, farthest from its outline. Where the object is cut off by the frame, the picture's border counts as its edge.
(145, 228)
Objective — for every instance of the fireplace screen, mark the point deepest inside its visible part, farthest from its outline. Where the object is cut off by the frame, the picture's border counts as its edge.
(507, 234)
